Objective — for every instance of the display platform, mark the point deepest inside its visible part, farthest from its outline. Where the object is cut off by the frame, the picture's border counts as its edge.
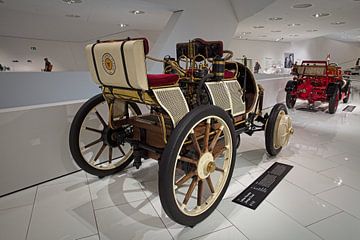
(318, 198)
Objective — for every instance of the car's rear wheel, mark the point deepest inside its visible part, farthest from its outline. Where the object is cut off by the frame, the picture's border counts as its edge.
(91, 139)
(334, 101)
(347, 96)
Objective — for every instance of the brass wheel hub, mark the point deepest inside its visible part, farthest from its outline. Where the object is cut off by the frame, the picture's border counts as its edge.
(206, 165)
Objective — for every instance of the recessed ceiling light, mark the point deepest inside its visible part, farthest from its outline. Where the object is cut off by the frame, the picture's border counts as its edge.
(294, 24)
(302, 5)
(312, 30)
(275, 31)
(245, 33)
(258, 27)
(72, 1)
(123, 25)
(338, 23)
(275, 18)
(136, 12)
(72, 15)
(319, 15)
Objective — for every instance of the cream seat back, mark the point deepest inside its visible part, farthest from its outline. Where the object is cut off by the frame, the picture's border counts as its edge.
(118, 64)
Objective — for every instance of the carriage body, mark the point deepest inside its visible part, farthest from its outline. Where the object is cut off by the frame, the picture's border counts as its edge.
(318, 81)
(197, 109)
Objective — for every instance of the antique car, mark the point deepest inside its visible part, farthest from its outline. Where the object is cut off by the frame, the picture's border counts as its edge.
(354, 70)
(194, 114)
(318, 81)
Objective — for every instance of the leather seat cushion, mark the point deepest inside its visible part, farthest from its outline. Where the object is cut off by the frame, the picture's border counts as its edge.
(158, 80)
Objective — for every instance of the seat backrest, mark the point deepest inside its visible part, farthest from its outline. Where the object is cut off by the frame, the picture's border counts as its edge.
(312, 70)
(119, 63)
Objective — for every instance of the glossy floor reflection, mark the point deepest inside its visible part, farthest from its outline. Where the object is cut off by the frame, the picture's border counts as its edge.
(318, 199)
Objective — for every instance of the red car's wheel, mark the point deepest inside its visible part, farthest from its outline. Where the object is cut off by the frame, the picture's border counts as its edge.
(346, 98)
(290, 100)
(334, 102)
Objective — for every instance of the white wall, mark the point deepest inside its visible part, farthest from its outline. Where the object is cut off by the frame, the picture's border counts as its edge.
(262, 51)
(342, 53)
(65, 56)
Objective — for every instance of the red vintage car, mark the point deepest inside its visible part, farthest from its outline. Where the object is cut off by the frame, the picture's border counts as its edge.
(318, 81)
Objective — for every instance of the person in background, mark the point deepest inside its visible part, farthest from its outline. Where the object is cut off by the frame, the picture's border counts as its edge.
(48, 65)
(245, 60)
(257, 67)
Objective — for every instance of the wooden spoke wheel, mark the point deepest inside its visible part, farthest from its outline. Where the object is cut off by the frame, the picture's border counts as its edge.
(95, 147)
(197, 164)
(278, 129)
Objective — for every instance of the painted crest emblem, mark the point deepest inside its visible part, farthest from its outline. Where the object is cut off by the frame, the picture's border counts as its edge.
(108, 63)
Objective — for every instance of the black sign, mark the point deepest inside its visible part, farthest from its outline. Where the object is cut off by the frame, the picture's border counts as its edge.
(254, 194)
(349, 108)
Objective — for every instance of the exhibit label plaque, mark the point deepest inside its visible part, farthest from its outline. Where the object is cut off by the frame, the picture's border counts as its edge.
(254, 194)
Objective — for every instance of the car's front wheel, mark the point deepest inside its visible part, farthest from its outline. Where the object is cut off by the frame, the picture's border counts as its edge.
(196, 166)
(278, 129)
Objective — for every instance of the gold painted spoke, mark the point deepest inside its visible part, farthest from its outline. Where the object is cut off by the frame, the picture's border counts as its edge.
(99, 153)
(215, 139)
(206, 137)
(100, 118)
(190, 191)
(196, 144)
(110, 154)
(184, 179)
(93, 129)
(211, 186)
(200, 192)
(93, 143)
(188, 160)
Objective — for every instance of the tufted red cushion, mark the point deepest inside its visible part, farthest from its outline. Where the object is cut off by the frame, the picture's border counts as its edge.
(228, 74)
(158, 80)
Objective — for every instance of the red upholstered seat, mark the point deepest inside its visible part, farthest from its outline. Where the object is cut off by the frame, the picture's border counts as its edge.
(158, 80)
(229, 74)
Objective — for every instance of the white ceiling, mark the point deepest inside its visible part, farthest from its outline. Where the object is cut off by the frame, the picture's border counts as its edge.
(45, 19)
(340, 11)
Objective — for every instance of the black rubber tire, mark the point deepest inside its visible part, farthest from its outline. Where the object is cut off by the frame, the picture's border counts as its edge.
(168, 161)
(270, 127)
(74, 138)
(238, 141)
(348, 92)
(290, 101)
(334, 101)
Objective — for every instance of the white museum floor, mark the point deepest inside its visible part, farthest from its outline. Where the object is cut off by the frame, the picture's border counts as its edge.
(318, 199)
